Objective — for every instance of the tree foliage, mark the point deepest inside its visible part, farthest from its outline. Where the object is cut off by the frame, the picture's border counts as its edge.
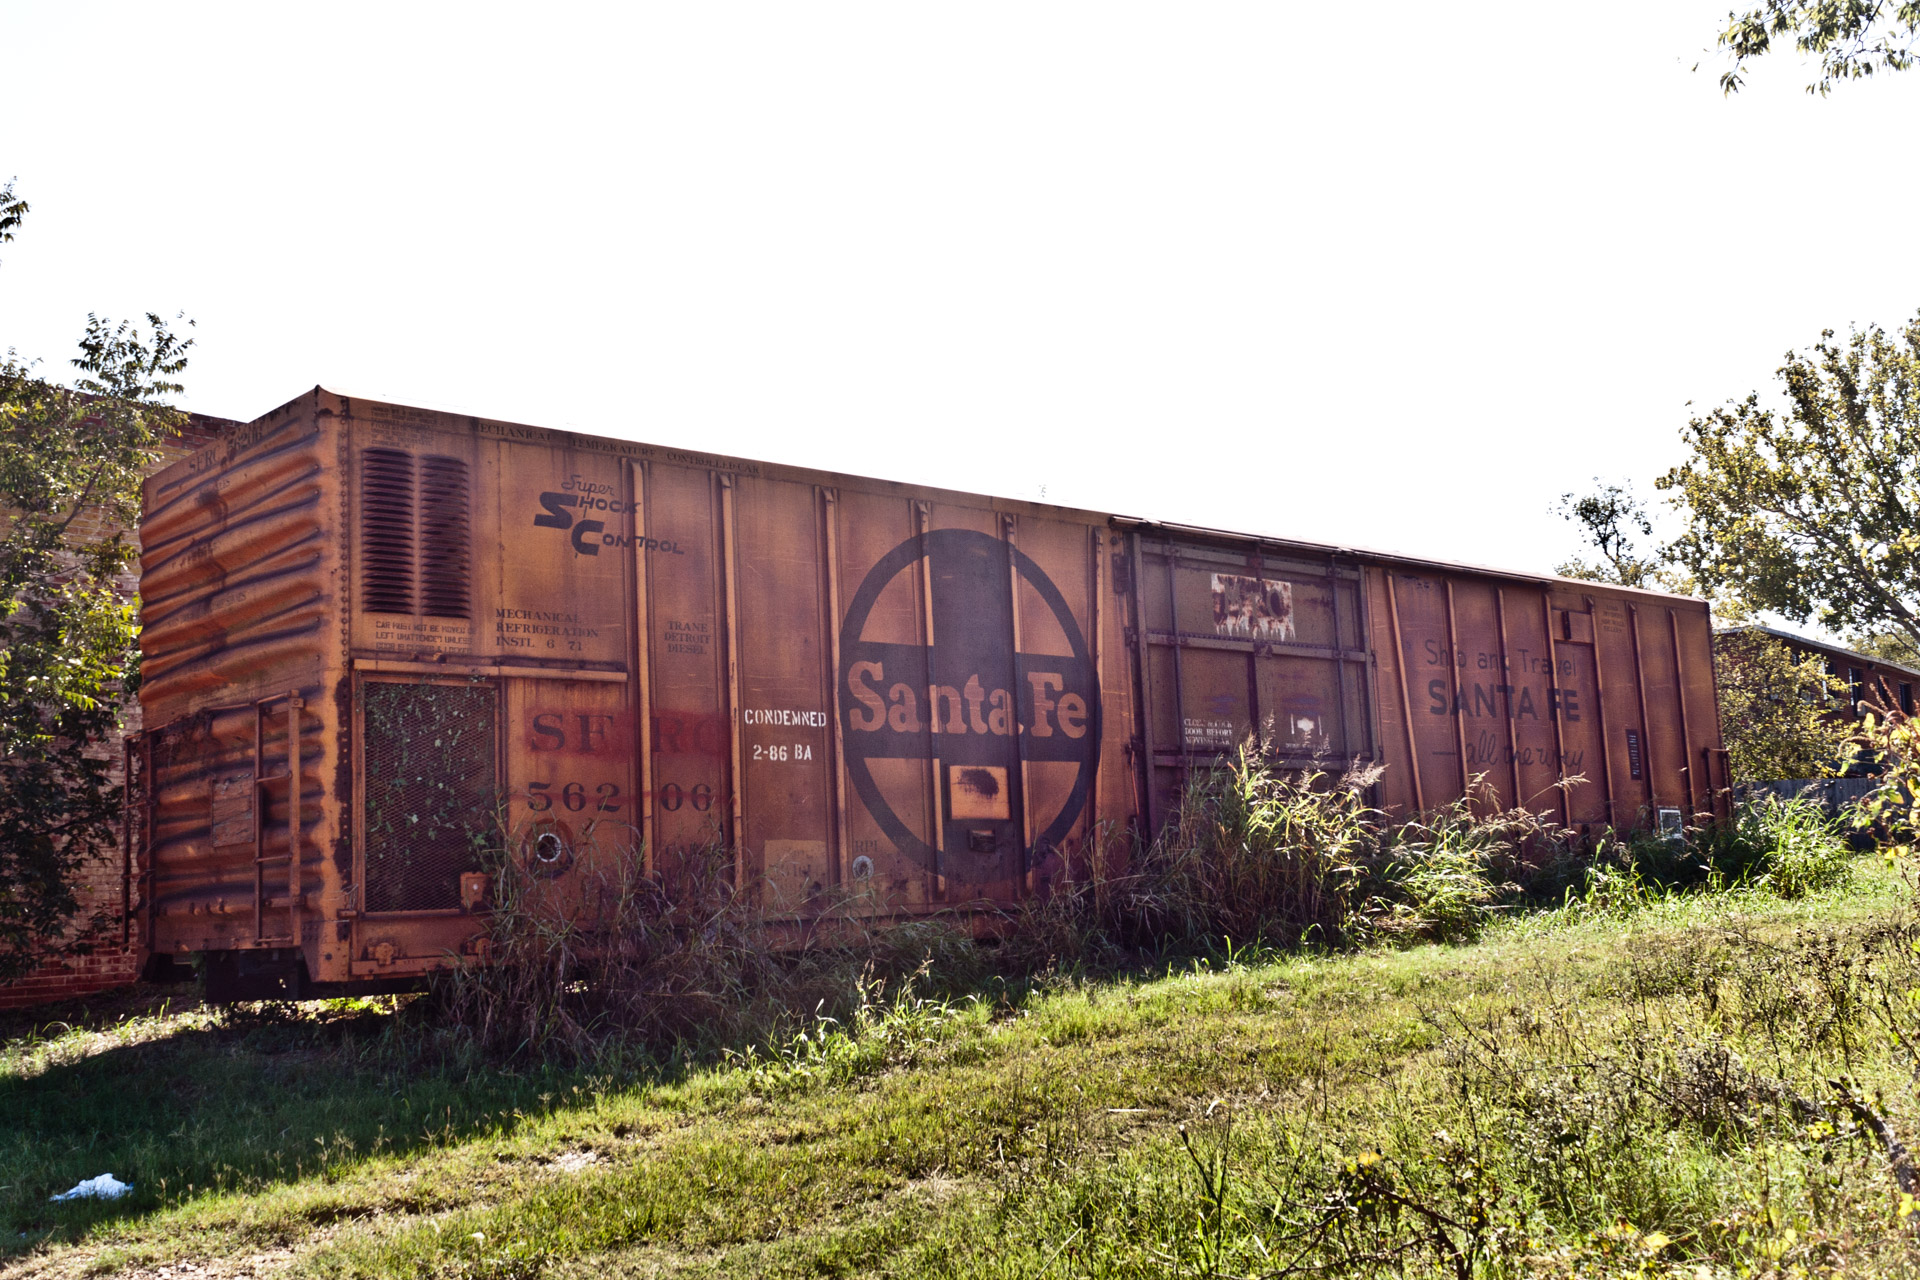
(1850, 39)
(1892, 810)
(1777, 710)
(1814, 512)
(1608, 518)
(67, 628)
(12, 210)
(1887, 646)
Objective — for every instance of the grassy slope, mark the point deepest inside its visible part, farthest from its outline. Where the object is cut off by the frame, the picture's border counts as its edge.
(1159, 1125)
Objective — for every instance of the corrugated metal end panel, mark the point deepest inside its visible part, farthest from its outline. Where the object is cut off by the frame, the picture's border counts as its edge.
(1593, 704)
(240, 642)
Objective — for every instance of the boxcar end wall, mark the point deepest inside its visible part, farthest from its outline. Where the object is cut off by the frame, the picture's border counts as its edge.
(379, 640)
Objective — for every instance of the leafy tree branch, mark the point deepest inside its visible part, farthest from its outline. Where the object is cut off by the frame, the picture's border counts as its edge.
(1608, 519)
(1848, 39)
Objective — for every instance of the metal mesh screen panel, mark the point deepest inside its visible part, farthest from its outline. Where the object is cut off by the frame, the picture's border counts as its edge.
(428, 762)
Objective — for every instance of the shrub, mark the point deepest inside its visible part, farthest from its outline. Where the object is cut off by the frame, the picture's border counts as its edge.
(1443, 875)
(1254, 855)
(1788, 846)
(556, 981)
(1259, 854)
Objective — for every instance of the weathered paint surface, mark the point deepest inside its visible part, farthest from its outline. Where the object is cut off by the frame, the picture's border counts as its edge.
(238, 558)
(422, 623)
(1593, 703)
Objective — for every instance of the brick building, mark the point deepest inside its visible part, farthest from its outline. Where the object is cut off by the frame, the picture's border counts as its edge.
(1873, 684)
(107, 884)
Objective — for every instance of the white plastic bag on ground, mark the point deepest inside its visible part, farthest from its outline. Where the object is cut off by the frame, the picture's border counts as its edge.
(104, 1187)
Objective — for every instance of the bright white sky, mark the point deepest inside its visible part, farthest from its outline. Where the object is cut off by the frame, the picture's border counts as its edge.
(1394, 275)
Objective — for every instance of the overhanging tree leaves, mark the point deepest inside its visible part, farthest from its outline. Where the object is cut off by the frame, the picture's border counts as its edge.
(1888, 646)
(1851, 39)
(1814, 512)
(67, 628)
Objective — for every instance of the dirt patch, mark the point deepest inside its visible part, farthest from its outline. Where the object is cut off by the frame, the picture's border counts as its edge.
(263, 1264)
(575, 1161)
(76, 1263)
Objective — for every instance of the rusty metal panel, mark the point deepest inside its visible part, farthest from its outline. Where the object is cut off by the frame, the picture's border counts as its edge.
(1478, 703)
(1433, 688)
(1705, 785)
(240, 661)
(233, 592)
(970, 696)
(547, 533)
(1486, 736)
(569, 750)
(1245, 638)
(686, 641)
(882, 681)
(865, 697)
(786, 693)
(973, 706)
(1397, 789)
(1116, 801)
(1508, 708)
(1055, 599)
(1529, 683)
(430, 763)
(1666, 746)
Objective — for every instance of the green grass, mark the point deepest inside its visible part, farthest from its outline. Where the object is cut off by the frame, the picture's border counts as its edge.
(1606, 1089)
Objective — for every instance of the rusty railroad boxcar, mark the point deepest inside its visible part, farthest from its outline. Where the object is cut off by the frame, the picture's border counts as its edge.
(376, 637)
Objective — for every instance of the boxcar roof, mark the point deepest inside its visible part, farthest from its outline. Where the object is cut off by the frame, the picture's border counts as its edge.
(1173, 528)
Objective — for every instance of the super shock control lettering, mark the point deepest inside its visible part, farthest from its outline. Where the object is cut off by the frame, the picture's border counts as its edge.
(587, 536)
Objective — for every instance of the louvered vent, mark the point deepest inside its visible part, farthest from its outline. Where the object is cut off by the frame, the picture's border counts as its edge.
(386, 531)
(445, 561)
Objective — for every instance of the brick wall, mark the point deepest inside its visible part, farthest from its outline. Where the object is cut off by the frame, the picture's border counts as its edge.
(102, 885)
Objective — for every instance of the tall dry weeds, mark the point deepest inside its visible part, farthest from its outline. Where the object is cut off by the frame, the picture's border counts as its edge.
(1260, 855)
(631, 964)
(625, 965)
(1256, 856)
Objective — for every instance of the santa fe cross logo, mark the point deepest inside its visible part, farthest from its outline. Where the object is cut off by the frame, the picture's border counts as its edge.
(969, 703)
